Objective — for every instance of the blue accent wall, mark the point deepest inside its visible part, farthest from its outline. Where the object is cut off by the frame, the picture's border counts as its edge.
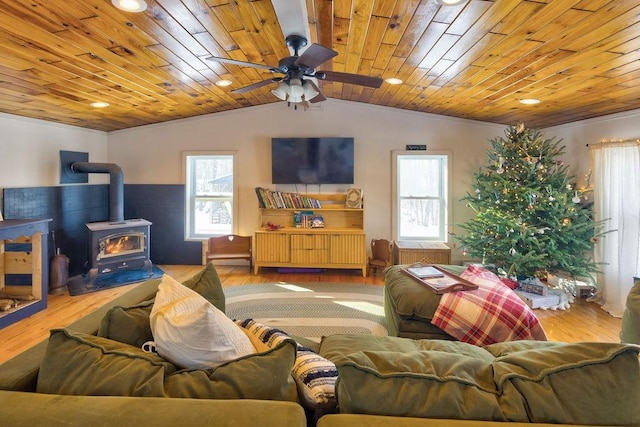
(163, 205)
(71, 207)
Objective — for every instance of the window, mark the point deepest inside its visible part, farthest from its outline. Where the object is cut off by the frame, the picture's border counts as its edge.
(210, 194)
(420, 210)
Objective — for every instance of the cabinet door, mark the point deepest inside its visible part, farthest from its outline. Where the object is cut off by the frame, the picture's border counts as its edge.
(272, 247)
(347, 249)
(309, 248)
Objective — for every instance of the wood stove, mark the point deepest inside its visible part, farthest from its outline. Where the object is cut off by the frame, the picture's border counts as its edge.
(120, 245)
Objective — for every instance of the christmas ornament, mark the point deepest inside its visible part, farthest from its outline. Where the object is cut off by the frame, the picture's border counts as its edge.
(576, 198)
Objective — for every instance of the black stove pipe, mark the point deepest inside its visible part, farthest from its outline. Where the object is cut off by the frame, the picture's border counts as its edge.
(116, 185)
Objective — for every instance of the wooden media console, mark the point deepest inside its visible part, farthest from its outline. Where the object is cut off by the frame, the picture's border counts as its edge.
(329, 236)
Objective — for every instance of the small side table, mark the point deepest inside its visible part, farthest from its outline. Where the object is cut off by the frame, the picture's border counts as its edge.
(408, 252)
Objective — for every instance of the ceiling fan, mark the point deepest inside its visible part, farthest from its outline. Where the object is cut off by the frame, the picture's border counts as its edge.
(299, 83)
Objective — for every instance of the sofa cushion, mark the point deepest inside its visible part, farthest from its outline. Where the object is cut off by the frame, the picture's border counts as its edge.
(383, 376)
(83, 364)
(630, 326)
(207, 283)
(408, 297)
(571, 383)
(131, 324)
(530, 381)
(49, 410)
(191, 332)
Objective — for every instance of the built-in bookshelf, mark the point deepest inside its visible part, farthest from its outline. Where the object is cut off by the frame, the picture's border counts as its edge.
(271, 199)
(331, 236)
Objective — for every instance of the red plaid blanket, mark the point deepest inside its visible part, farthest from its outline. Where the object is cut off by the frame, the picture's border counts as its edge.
(490, 314)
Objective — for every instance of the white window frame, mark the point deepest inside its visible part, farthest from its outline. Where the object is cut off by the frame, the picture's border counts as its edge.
(445, 194)
(191, 198)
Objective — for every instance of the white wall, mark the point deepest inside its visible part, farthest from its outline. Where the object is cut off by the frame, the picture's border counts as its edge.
(31, 150)
(152, 154)
(577, 135)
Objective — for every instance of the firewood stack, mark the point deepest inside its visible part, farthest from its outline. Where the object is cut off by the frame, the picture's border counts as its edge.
(9, 301)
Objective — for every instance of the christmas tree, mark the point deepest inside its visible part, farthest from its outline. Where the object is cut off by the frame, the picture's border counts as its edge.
(531, 217)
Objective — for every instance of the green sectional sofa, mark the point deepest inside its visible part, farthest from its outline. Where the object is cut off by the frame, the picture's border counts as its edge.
(388, 381)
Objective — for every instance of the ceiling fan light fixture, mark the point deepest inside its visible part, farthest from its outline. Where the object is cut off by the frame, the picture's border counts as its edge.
(295, 99)
(295, 90)
(450, 2)
(224, 83)
(130, 5)
(281, 91)
(309, 91)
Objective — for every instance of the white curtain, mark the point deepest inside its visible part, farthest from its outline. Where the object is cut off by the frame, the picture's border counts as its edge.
(616, 184)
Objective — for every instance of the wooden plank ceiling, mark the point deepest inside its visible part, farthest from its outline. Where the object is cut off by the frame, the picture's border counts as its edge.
(581, 58)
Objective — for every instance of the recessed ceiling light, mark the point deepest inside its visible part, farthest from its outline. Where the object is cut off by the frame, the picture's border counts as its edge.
(529, 101)
(393, 81)
(99, 104)
(450, 2)
(224, 83)
(130, 5)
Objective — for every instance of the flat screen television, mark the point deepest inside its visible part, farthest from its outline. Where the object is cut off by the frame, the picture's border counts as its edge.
(312, 160)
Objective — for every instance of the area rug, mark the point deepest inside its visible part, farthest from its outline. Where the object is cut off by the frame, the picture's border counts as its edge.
(310, 310)
(92, 282)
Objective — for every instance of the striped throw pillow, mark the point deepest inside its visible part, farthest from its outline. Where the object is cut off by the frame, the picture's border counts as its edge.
(315, 376)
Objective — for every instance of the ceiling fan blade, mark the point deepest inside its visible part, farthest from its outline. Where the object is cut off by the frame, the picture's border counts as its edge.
(318, 98)
(256, 85)
(354, 79)
(315, 55)
(243, 63)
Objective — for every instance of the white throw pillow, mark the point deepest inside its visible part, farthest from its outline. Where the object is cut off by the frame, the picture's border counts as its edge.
(191, 332)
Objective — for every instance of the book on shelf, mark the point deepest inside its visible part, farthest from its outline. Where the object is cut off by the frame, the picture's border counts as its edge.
(304, 219)
(440, 283)
(273, 199)
(317, 221)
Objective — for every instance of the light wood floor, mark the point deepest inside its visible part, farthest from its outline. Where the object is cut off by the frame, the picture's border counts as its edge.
(582, 322)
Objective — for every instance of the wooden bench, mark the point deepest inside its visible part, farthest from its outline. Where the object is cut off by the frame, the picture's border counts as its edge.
(231, 246)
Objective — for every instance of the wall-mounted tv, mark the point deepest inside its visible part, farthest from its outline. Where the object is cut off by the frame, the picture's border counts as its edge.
(312, 160)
